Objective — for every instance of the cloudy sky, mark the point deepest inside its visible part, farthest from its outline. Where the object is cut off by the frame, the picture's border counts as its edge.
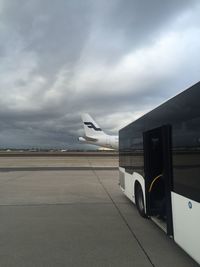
(114, 59)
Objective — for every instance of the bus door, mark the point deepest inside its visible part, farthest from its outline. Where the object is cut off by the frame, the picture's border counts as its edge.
(158, 174)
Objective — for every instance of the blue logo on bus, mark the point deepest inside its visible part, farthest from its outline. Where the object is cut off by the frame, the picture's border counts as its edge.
(190, 205)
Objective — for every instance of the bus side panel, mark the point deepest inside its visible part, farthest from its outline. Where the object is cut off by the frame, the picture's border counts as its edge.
(186, 223)
(127, 186)
(129, 182)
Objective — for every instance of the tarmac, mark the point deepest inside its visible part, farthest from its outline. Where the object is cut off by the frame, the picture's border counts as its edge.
(69, 211)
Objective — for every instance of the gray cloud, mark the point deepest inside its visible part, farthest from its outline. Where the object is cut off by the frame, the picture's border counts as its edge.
(114, 59)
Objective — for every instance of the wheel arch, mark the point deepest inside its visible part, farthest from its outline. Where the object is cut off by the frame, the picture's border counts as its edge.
(139, 181)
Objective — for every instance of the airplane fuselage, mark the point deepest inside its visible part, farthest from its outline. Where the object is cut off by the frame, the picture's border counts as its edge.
(107, 141)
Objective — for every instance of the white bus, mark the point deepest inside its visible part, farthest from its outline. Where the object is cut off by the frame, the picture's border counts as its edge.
(159, 163)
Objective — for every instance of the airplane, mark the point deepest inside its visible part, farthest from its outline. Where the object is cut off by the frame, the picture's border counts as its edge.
(95, 136)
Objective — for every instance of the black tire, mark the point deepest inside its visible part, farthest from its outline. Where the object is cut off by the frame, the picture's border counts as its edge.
(139, 200)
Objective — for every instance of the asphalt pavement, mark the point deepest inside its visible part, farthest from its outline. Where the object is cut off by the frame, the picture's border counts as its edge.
(71, 212)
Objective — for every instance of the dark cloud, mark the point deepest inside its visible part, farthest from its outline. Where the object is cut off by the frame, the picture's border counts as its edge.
(113, 59)
(55, 30)
(119, 26)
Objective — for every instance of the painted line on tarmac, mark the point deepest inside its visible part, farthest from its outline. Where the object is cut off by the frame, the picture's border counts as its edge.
(124, 219)
(83, 168)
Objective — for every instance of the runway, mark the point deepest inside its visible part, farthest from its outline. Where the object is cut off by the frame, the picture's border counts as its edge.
(69, 211)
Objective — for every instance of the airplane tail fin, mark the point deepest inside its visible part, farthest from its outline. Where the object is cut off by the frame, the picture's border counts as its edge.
(91, 128)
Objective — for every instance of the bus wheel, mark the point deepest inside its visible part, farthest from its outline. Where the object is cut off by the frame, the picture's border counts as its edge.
(139, 200)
